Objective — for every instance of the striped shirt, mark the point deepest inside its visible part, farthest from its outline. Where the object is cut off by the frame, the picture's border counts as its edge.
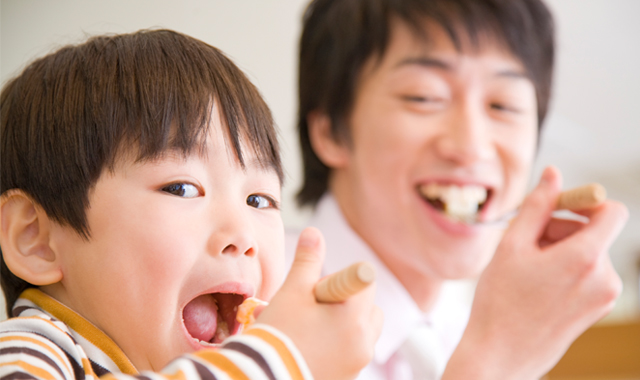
(47, 340)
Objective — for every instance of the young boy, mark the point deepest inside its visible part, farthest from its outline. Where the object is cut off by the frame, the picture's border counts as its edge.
(140, 191)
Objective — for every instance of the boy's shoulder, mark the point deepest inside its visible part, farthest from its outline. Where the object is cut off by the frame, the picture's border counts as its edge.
(46, 332)
(32, 334)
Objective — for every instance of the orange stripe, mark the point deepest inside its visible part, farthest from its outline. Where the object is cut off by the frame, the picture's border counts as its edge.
(47, 321)
(222, 362)
(36, 342)
(284, 352)
(88, 369)
(82, 327)
(33, 370)
(179, 375)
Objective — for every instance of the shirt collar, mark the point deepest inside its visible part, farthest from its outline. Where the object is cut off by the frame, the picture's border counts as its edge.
(345, 247)
(97, 345)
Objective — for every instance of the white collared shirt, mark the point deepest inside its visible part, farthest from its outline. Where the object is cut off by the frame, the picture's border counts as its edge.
(401, 314)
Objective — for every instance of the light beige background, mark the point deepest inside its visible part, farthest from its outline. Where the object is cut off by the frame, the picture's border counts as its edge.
(592, 134)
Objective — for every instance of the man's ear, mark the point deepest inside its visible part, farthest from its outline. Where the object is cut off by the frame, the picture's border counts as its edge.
(24, 235)
(331, 151)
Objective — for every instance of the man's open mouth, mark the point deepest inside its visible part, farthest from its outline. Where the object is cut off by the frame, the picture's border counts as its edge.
(211, 318)
(459, 203)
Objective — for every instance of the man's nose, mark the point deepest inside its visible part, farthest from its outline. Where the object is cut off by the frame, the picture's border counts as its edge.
(466, 136)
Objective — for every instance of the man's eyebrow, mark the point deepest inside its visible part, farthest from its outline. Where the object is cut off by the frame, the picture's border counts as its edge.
(428, 62)
(512, 73)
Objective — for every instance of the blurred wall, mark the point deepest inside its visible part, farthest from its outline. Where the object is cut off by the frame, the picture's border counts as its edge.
(592, 133)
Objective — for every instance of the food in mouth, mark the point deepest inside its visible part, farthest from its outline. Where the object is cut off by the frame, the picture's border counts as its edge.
(245, 311)
(459, 203)
(211, 318)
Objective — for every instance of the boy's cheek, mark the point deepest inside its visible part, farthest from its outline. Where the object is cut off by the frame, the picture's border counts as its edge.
(273, 273)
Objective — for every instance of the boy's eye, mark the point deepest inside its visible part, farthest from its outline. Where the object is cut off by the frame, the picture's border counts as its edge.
(261, 201)
(185, 190)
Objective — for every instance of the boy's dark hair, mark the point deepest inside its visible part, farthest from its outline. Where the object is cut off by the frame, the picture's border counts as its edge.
(340, 36)
(70, 115)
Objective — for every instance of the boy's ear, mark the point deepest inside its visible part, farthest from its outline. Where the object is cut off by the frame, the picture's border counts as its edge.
(331, 151)
(24, 235)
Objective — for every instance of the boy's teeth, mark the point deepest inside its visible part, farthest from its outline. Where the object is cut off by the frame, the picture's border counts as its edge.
(460, 202)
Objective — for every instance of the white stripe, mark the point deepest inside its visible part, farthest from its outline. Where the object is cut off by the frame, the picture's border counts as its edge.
(211, 367)
(42, 325)
(64, 365)
(267, 351)
(31, 360)
(302, 363)
(246, 364)
(96, 354)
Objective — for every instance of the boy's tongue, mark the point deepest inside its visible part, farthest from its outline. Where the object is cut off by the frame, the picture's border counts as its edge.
(201, 317)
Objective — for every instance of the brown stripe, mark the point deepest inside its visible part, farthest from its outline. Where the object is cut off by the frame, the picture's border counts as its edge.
(253, 354)
(204, 373)
(38, 372)
(18, 376)
(16, 311)
(81, 326)
(34, 353)
(221, 362)
(98, 369)
(40, 343)
(284, 352)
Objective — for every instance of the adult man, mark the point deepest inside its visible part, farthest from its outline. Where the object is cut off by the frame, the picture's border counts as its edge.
(403, 105)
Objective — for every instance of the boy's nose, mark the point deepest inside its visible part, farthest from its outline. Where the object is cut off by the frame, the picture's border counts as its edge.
(232, 235)
(465, 137)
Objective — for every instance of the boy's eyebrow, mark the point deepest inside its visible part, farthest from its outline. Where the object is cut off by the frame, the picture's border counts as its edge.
(256, 163)
(430, 62)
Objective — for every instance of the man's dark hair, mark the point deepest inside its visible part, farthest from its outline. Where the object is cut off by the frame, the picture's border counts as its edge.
(340, 36)
(70, 115)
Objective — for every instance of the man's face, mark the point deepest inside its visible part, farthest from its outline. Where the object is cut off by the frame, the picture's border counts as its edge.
(175, 245)
(430, 116)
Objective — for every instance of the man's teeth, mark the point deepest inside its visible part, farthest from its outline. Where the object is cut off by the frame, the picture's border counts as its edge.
(461, 203)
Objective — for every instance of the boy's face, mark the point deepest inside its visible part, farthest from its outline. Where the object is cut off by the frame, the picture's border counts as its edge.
(430, 114)
(171, 242)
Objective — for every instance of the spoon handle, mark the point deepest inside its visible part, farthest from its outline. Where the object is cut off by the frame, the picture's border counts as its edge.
(582, 198)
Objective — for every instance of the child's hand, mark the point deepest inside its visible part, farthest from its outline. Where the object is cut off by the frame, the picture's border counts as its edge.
(548, 282)
(336, 340)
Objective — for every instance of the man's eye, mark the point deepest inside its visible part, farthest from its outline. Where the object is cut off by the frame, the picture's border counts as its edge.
(261, 201)
(420, 99)
(185, 190)
(504, 107)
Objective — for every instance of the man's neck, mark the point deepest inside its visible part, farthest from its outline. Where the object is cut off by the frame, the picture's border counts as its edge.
(418, 281)
(421, 287)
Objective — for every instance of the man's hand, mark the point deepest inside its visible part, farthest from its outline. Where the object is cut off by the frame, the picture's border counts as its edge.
(548, 282)
(336, 340)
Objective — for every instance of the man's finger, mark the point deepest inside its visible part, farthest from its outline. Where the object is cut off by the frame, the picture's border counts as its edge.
(537, 207)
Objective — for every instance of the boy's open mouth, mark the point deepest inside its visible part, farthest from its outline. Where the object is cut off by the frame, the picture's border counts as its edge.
(211, 318)
(459, 203)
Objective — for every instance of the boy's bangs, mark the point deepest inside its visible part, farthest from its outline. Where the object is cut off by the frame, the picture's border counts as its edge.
(175, 82)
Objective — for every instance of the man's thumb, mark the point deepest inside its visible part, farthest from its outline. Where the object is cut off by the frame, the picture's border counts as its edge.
(307, 264)
(537, 207)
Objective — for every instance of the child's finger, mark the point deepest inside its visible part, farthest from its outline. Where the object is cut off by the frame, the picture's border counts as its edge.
(537, 207)
(307, 264)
